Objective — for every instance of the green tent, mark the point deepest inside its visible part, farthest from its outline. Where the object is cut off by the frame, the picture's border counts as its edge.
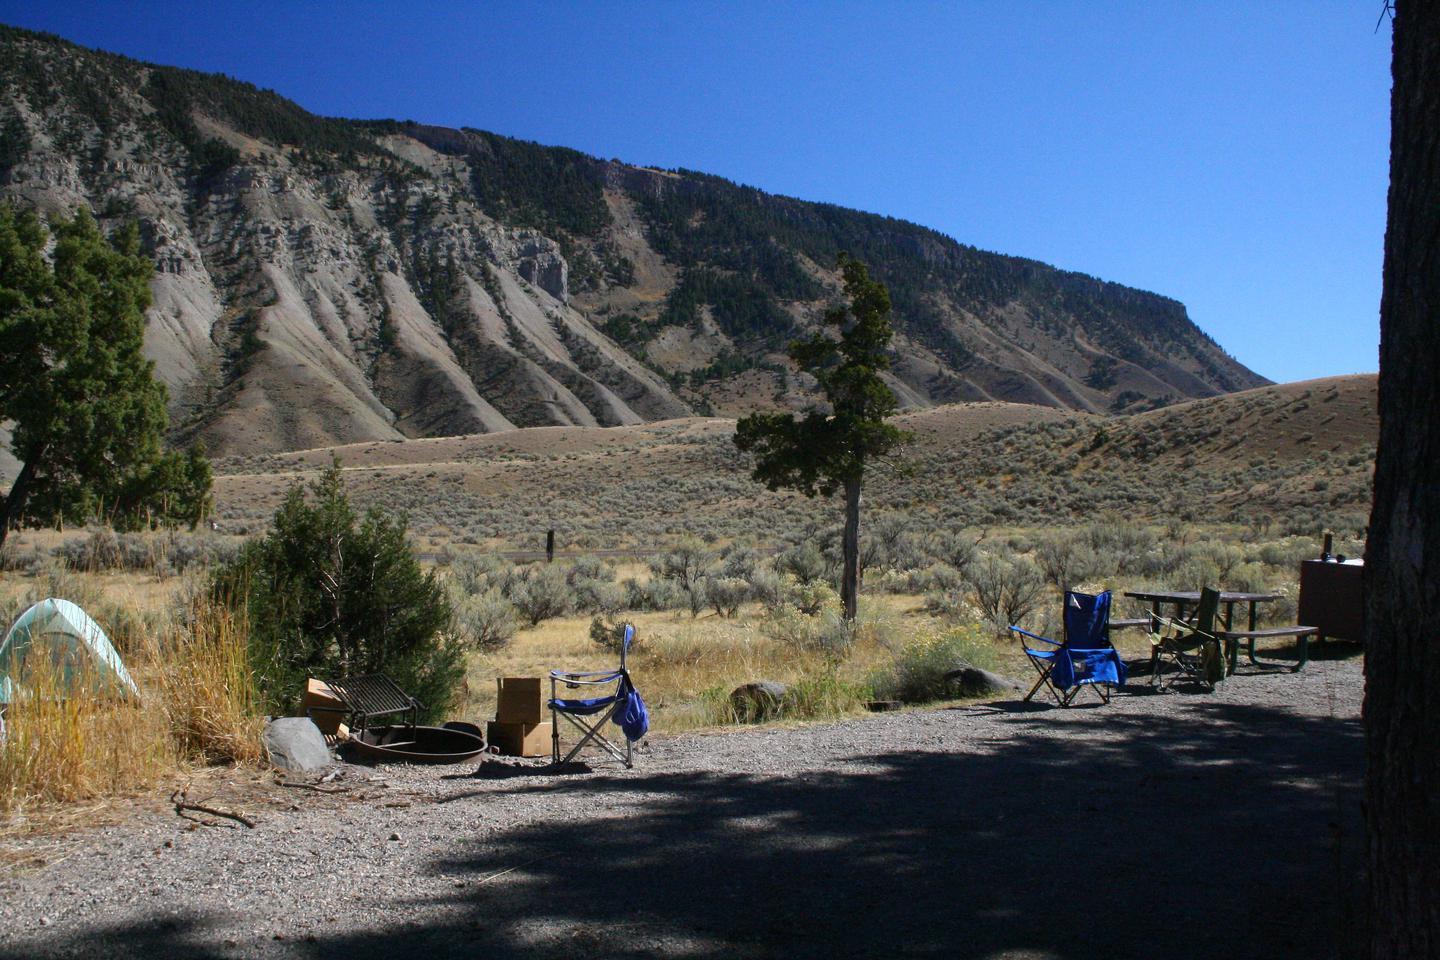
(74, 643)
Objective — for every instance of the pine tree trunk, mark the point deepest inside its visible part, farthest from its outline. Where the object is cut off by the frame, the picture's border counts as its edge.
(850, 577)
(1402, 568)
(15, 500)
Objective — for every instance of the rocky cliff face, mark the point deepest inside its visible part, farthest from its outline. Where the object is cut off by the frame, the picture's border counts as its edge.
(323, 281)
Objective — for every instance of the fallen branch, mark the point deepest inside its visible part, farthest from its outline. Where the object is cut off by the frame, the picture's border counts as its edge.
(519, 866)
(312, 786)
(181, 805)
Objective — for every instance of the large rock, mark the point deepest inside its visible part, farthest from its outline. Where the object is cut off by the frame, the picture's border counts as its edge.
(295, 743)
(968, 680)
(759, 700)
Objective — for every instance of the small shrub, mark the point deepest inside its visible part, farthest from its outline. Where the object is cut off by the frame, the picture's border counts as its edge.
(688, 566)
(476, 573)
(99, 551)
(726, 594)
(956, 551)
(917, 674)
(810, 598)
(610, 635)
(540, 592)
(327, 593)
(656, 595)
(766, 586)
(1005, 590)
(1067, 561)
(487, 620)
(805, 563)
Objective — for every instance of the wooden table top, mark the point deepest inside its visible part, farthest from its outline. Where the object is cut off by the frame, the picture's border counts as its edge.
(1193, 596)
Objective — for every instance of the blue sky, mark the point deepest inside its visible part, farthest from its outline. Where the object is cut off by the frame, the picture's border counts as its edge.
(1231, 155)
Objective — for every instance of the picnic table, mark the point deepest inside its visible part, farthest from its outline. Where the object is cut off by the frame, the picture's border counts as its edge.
(1232, 637)
(1191, 598)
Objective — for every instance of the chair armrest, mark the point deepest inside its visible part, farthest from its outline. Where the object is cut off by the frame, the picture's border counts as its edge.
(1035, 636)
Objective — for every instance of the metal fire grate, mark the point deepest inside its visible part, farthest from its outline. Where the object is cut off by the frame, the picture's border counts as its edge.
(371, 696)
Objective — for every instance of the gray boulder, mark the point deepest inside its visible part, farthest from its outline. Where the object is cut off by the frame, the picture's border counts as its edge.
(968, 680)
(295, 743)
(760, 700)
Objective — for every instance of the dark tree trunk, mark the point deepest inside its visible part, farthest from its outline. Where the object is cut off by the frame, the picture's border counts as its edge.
(1402, 568)
(850, 576)
(15, 500)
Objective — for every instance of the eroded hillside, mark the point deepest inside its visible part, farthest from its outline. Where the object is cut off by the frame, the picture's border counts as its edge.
(324, 281)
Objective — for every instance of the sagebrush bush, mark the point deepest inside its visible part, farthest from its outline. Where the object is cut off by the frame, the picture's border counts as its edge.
(1005, 589)
(1067, 560)
(726, 594)
(487, 621)
(688, 565)
(476, 573)
(805, 563)
(917, 674)
(609, 635)
(812, 597)
(656, 595)
(540, 592)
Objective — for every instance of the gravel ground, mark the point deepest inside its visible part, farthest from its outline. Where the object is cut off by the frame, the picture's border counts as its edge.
(1178, 825)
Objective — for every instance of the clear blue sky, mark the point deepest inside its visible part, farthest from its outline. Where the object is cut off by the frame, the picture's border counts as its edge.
(1231, 155)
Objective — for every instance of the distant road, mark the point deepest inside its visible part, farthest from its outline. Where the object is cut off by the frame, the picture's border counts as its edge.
(435, 557)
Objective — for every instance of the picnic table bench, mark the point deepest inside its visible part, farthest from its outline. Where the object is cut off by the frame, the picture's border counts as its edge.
(1232, 638)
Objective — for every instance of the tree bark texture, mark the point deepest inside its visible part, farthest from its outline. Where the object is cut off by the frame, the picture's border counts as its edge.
(1402, 569)
(850, 577)
(14, 501)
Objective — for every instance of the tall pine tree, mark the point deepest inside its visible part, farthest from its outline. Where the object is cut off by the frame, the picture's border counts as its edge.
(828, 449)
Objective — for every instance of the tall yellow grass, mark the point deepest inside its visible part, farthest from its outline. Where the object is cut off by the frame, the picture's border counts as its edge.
(67, 742)
(203, 676)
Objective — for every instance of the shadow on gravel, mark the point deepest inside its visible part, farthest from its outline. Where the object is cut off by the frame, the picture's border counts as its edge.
(1226, 830)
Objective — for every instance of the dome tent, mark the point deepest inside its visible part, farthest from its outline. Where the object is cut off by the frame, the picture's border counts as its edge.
(74, 642)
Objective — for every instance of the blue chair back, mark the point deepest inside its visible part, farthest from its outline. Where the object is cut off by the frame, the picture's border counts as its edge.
(1087, 621)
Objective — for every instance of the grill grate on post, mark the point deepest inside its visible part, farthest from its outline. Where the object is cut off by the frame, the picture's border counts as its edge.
(372, 696)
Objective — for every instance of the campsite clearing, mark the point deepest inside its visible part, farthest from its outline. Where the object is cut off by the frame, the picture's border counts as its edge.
(927, 833)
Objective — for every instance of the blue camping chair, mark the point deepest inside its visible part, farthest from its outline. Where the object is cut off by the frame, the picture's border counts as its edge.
(623, 706)
(1086, 657)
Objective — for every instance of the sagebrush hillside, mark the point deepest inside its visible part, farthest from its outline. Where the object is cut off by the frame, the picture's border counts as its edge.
(327, 281)
(1295, 457)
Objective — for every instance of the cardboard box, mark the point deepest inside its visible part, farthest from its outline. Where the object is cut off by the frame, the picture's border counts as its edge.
(329, 709)
(520, 739)
(520, 700)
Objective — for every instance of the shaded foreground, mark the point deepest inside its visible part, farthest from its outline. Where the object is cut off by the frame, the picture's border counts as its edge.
(1174, 826)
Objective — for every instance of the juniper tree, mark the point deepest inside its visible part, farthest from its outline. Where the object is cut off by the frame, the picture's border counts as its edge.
(828, 449)
(87, 414)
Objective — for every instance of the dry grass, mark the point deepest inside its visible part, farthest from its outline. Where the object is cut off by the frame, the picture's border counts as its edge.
(64, 743)
(685, 668)
(70, 741)
(203, 675)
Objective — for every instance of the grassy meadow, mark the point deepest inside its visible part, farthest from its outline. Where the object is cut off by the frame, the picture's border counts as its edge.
(994, 510)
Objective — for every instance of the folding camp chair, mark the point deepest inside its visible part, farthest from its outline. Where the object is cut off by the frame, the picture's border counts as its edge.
(1085, 658)
(623, 707)
(1192, 647)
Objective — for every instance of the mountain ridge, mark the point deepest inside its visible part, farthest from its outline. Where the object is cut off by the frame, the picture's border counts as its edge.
(324, 281)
